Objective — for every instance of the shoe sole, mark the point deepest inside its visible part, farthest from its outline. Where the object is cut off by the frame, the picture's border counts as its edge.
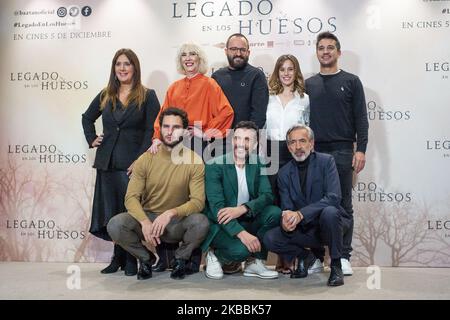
(213, 277)
(335, 285)
(347, 273)
(246, 274)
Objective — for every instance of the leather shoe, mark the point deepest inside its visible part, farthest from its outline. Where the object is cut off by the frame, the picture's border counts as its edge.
(160, 266)
(165, 253)
(301, 271)
(179, 269)
(336, 277)
(145, 268)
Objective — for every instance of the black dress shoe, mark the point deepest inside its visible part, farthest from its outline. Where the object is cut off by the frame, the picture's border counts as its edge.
(301, 271)
(179, 269)
(130, 265)
(160, 266)
(145, 270)
(117, 261)
(165, 253)
(336, 277)
(145, 267)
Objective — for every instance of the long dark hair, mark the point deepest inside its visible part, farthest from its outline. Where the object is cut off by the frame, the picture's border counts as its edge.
(111, 92)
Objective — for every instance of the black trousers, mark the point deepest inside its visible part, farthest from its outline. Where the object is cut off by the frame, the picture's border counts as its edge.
(326, 231)
(343, 159)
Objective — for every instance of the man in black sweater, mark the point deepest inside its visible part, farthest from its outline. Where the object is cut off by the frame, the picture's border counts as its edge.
(339, 118)
(244, 85)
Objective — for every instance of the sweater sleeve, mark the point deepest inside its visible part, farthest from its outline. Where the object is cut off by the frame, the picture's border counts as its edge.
(196, 201)
(136, 188)
(360, 116)
(259, 100)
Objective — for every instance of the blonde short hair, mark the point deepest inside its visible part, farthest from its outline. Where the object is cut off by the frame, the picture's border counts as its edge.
(192, 47)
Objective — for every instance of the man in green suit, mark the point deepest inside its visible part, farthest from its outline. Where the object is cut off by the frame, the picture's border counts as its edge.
(239, 207)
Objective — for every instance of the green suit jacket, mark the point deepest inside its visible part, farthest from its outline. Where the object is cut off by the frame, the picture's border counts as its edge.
(221, 186)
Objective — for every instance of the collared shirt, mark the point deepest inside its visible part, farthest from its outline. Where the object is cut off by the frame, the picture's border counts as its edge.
(280, 119)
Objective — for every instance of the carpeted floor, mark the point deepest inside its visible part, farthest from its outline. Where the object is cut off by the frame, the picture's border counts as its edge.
(26, 280)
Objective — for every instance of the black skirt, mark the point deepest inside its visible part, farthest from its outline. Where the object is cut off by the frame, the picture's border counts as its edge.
(109, 200)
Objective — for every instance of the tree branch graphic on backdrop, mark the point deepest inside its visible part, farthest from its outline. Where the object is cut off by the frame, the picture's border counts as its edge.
(403, 230)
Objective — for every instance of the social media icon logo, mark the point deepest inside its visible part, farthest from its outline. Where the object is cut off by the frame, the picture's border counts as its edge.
(86, 11)
(74, 11)
(61, 12)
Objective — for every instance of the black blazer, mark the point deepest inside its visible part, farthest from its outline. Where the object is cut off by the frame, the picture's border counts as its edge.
(125, 140)
(322, 187)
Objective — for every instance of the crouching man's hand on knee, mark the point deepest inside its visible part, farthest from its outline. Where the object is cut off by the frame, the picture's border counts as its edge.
(147, 227)
(290, 220)
(250, 241)
(161, 222)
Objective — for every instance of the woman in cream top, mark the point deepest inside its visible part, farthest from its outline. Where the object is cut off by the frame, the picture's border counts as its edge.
(288, 105)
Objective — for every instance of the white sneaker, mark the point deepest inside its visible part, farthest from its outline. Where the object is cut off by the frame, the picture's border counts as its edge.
(213, 266)
(316, 267)
(346, 267)
(256, 268)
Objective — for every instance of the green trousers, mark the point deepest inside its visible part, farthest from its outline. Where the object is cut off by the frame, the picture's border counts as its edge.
(230, 249)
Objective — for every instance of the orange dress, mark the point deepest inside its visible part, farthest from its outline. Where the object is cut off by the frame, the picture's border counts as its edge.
(203, 100)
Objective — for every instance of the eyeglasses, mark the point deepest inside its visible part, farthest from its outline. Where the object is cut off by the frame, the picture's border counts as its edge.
(235, 49)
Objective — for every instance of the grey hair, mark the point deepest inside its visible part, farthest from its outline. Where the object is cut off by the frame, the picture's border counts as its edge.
(300, 127)
(192, 47)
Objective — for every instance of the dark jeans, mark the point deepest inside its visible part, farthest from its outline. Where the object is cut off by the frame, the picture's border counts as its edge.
(343, 159)
(191, 231)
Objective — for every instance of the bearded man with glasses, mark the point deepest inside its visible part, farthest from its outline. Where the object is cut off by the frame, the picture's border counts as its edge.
(244, 85)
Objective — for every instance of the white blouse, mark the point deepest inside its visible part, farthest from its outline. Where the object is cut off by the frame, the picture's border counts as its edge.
(280, 119)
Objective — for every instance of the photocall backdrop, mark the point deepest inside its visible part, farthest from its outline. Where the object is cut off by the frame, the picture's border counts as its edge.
(55, 57)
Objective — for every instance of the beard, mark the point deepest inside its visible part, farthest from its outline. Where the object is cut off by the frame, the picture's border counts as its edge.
(303, 157)
(172, 143)
(237, 64)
